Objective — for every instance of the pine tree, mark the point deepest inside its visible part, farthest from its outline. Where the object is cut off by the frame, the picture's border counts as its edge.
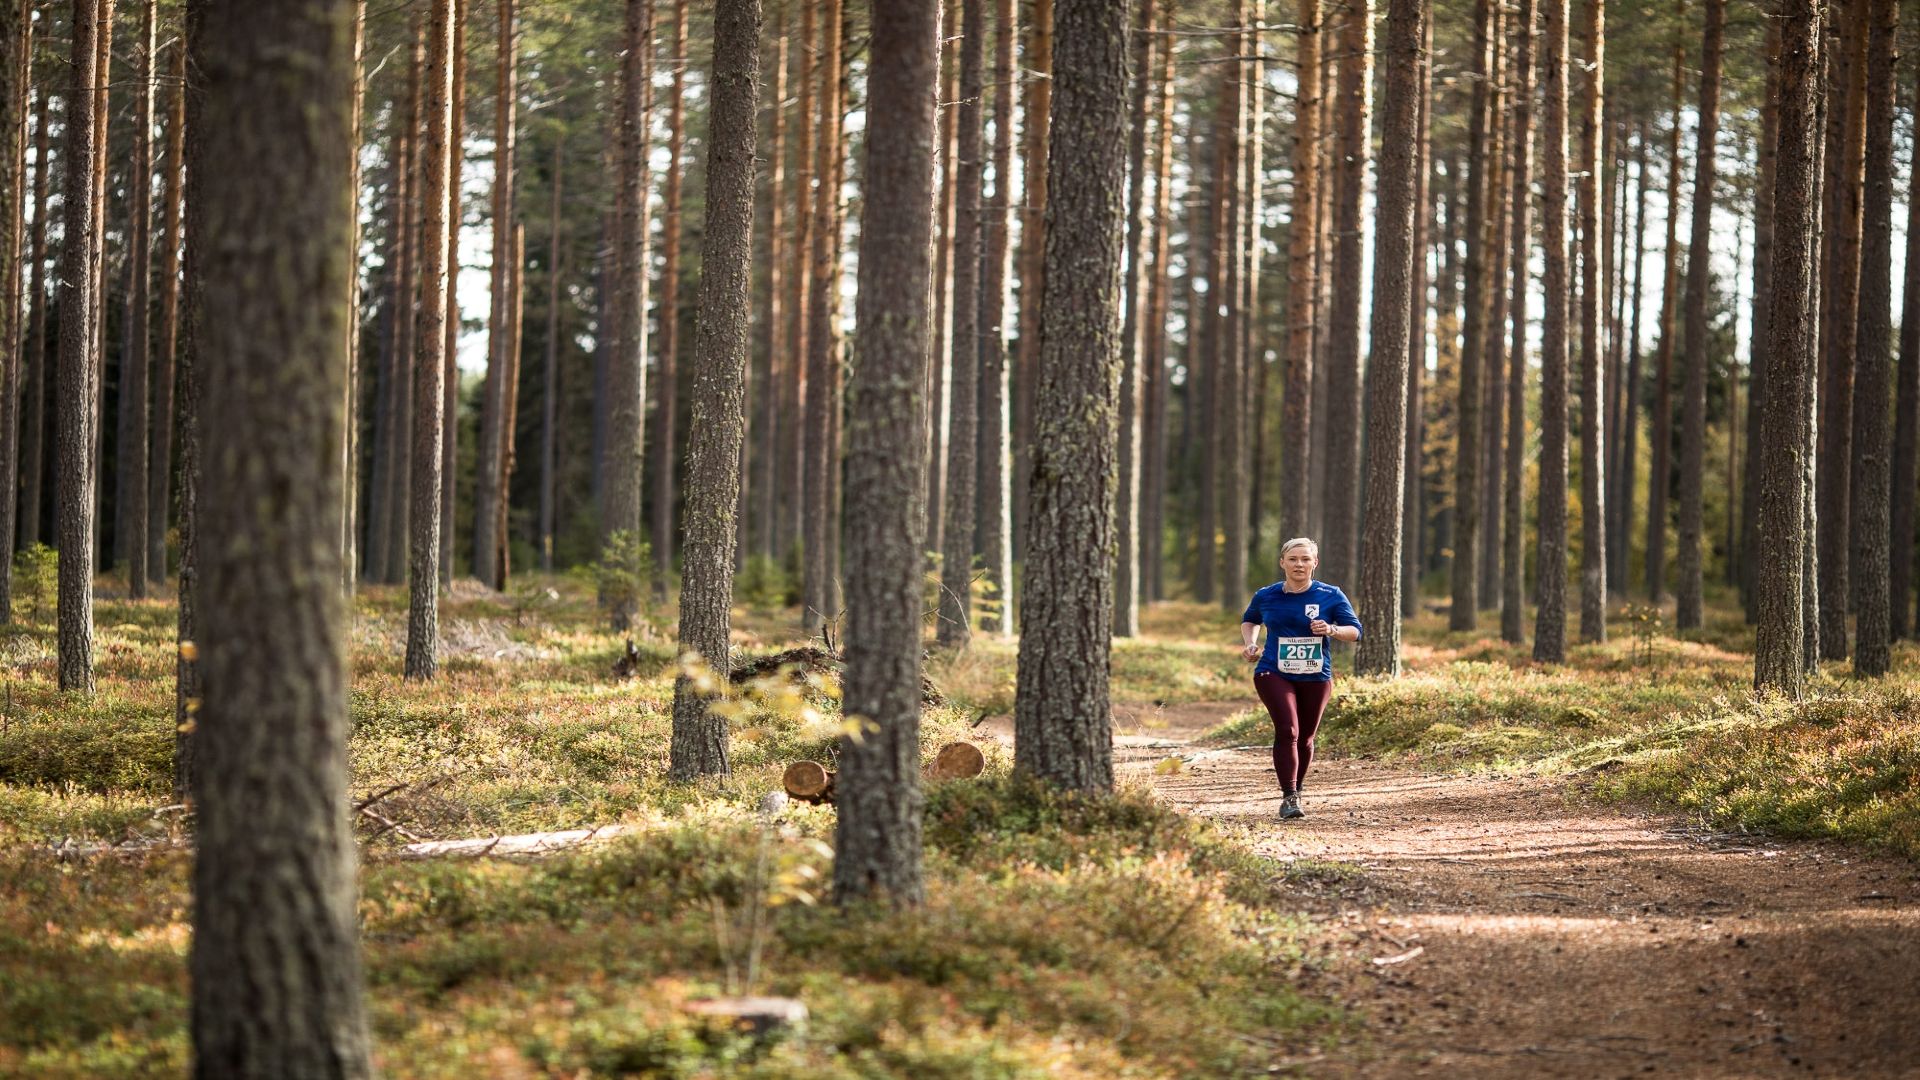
(877, 832)
(1659, 479)
(1844, 166)
(1513, 600)
(1906, 440)
(626, 383)
(78, 374)
(995, 523)
(956, 557)
(1593, 383)
(1693, 432)
(666, 440)
(1061, 717)
(1297, 422)
(494, 433)
(1873, 378)
(1379, 650)
(718, 403)
(275, 965)
(1550, 615)
(1344, 416)
(1464, 572)
(1778, 585)
(1126, 578)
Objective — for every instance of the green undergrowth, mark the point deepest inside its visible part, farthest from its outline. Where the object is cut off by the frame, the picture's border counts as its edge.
(1648, 717)
(1062, 935)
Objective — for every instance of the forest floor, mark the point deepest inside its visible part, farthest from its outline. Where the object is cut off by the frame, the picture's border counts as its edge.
(1513, 926)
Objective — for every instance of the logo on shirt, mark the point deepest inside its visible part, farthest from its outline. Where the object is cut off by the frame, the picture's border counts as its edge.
(1313, 611)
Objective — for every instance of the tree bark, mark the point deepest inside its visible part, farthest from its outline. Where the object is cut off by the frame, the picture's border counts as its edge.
(493, 433)
(1297, 440)
(1038, 114)
(666, 378)
(1062, 721)
(1159, 307)
(1126, 577)
(1513, 600)
(449, 361)
(74, 505)
(1906, 440)
(627, 411)
(995, 522)
(1379, 650)
(1693, 433)
(1840, 300)
(16, 75)
(940, 360)
(1550, 615)
(130, 494)
(275, 963)
(1660, 478)
(550, 373)
(1621, 543)
(821, 586)
(1463, 574)
(429, 367)
(1870, 478)
(1413, 510)
(96, 268)
(1757, 381)
(1344, 411)
(401, 404)
(1593, 382)
(1230, 332)
(193, 233)
(774, 418)
(1493, 409)
(719, 386)
(1778, 585)
(33, 430)
(877, 832)
(956, 560)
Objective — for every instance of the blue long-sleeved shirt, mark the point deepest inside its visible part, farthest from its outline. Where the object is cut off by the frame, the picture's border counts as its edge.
(1292, 646)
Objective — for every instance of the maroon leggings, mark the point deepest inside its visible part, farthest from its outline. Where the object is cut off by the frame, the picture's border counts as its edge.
(1296, 708)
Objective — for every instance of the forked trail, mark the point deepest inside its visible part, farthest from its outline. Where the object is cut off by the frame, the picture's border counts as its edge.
(1528, 932)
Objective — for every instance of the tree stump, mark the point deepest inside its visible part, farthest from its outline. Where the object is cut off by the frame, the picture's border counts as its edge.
(808, 781)
(957, 761)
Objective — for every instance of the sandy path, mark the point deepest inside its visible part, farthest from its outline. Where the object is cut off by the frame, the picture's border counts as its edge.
(1561, 938)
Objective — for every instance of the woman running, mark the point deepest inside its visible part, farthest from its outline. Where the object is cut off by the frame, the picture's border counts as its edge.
(1293, 673)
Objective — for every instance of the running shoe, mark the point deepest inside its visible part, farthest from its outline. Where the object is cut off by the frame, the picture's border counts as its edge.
(1290, 807)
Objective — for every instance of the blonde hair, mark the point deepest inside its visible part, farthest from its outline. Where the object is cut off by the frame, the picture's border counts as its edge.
(1300, 541)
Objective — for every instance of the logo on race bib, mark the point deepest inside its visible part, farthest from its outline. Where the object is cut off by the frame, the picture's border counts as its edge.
(1313, 611)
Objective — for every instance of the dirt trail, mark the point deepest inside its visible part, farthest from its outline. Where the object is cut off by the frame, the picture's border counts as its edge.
(1556, 937)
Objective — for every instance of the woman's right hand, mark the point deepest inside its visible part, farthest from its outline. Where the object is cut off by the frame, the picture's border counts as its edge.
(1250, 653)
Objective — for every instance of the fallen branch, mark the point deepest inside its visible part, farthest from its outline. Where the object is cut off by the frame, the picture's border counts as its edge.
(521, 844)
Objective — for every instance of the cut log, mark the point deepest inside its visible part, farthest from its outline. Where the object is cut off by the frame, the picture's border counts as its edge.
(754, 1017)
(520, 844)
(808, 781)
(957, 761)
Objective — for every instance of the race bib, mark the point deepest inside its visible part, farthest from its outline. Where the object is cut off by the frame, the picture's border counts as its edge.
(1299, 655)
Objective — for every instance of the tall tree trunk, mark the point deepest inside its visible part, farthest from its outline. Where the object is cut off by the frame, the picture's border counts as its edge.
(940, 360)
(1501, 118)
(1660, 479)
(1778, 585)
(1463, 574)
(877, 831)
(666, 377)
(1550, 615)
(995, 522)
(449, 361)
(16, 74)
(550, 373)
(1126, 576)
(1513, 600)
(1062, 722)
(1593, 385)
(1038, 113)
(1159, 308)
(193, 325)
(1413, 527)
(956, 560)
(1870, 478)
(1757, 380)
(774, 419)
(33, 430)
(510, 427)
(1213, 356)
(1620, 544)
(74, 505)
(821, 590)
(1906, 440)
(349, 517)
(719, 383)
(627, 411)
(96, 267)
(493, 433)
(1840, 298)
(130, 494)
(1379, 650)
(1810, 388)
(276, 963)
(405, 353)
(1297, 424)
(1693, 433)
(1344, 415)
(793, 523)
(1255, 368)
(1233, 389)
(429, 367)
